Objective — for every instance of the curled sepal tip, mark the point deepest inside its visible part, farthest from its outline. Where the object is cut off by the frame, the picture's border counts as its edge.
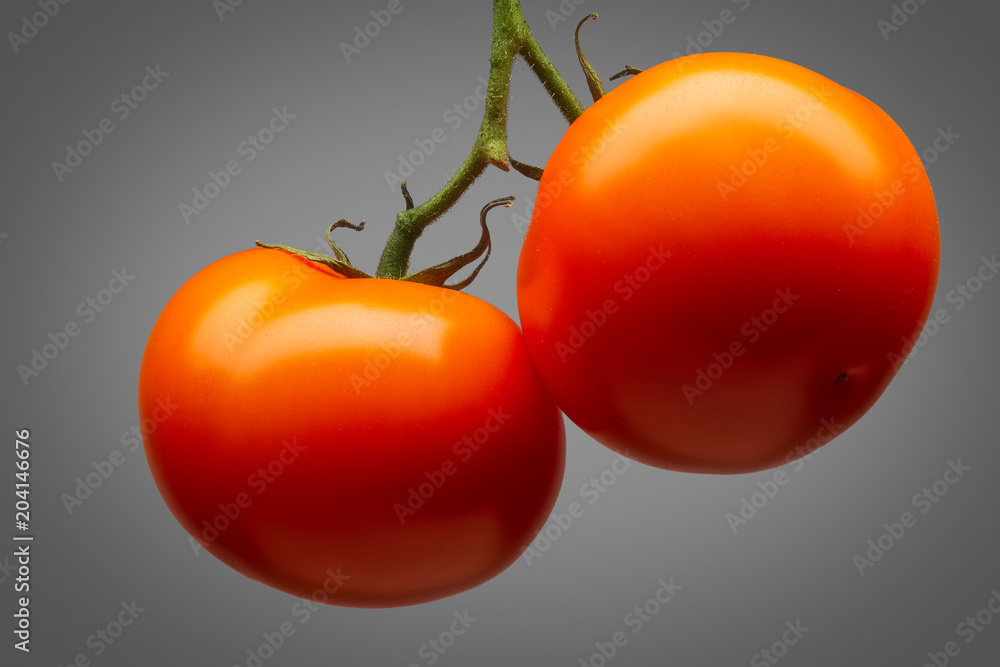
(339, 262)
(337, 252)
(437, 275)
(593, 79)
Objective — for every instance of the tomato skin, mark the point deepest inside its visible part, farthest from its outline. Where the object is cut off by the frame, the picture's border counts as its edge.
(726, 259)
(311, 406)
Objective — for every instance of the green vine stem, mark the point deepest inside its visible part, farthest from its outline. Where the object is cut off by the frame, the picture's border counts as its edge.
(511, 38)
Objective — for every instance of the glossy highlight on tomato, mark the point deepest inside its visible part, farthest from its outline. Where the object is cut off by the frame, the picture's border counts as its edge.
(360, 442)
(727, 260)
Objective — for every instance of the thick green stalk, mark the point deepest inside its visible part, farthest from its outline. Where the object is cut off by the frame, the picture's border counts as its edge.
(511, 38)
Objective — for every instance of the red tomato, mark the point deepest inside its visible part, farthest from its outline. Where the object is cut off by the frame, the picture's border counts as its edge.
(366, 443)
(727, 261)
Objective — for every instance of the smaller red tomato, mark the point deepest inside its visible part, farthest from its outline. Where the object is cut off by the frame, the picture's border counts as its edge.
(361, 442)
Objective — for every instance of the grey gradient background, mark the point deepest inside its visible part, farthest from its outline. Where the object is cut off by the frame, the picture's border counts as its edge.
(793, 561)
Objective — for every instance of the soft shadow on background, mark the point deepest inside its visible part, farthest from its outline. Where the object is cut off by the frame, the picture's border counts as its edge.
(212, 79)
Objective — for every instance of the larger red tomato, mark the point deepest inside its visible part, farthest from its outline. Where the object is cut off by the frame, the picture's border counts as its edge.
(363, 442)
(727, 260)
